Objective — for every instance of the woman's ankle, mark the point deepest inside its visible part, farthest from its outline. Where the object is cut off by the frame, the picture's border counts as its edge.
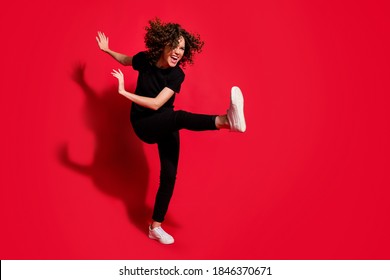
(221, 122)
(155, 224)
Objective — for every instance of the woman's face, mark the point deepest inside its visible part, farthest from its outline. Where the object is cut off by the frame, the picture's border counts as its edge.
(170, 57)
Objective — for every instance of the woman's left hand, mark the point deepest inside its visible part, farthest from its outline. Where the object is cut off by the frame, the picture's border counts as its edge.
(119, 75)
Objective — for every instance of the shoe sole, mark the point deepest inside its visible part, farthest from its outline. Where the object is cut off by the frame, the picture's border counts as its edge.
(237, 99)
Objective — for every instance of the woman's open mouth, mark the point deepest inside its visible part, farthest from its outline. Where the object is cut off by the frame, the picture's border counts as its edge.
(174, 59)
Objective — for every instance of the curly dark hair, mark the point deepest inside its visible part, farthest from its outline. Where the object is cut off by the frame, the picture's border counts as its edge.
(159, 34)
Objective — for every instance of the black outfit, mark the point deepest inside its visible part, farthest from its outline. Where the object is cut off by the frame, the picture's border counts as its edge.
(162, 126)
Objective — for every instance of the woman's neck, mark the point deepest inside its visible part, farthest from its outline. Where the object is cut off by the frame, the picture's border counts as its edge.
(160, 64)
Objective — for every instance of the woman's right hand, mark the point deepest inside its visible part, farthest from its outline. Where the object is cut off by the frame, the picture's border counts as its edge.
(102, 41)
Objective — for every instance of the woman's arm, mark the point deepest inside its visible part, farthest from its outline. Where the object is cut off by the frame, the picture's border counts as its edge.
(148, 102)
(123, 59)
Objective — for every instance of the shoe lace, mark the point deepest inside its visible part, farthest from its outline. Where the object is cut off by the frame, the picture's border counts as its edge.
(161, 232)
(232, 116)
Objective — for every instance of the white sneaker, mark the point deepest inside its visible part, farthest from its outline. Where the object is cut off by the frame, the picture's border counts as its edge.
(235, 113)
(160, 235)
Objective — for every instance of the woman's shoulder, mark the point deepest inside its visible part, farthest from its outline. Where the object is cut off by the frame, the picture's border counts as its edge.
(140, 60)
(141, 54)
(177, 72)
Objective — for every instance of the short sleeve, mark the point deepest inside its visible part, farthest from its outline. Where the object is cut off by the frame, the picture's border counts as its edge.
(175, 79)
(139, 61)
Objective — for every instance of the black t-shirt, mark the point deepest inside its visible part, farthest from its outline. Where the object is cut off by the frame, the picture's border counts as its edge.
(152, 80)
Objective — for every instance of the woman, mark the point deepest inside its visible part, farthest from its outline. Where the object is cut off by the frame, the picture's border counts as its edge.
(153, 117)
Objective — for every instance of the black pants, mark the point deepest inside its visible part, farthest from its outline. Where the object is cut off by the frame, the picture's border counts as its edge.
(163, 128)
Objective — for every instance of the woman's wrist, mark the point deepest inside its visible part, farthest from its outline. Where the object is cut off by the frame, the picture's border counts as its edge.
(121, 89)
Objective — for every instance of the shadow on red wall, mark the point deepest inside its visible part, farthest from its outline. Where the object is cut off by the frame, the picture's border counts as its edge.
(119, 167)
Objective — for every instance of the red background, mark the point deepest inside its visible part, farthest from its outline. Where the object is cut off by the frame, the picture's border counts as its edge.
(309, 180)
